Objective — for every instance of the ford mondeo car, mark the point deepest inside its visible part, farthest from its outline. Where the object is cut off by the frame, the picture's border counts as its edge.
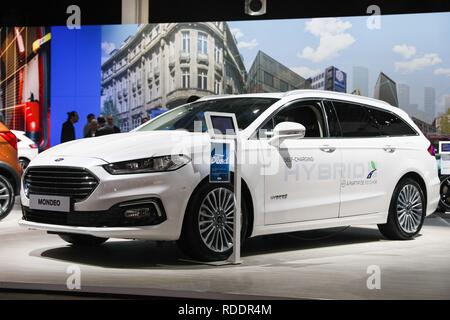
(309, 159)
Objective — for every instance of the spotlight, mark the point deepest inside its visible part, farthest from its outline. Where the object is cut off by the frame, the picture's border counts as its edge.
(255, 7)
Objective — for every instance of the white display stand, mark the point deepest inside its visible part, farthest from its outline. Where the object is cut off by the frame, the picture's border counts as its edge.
(444, 151)
(223, 126)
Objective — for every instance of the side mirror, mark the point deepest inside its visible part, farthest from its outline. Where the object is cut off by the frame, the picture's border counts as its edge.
(286, 130)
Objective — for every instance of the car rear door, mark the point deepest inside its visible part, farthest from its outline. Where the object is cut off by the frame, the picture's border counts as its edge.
(369, 158)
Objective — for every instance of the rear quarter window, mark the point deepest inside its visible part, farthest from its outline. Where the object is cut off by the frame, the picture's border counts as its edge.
(391, 124)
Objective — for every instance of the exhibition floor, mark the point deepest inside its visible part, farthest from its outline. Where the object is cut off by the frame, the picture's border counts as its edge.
(279, 266)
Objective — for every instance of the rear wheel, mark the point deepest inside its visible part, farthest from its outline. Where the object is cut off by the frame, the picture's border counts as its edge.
(207, 233)
(444, 203)
(82, 240)
(6, 197)
(406, 213)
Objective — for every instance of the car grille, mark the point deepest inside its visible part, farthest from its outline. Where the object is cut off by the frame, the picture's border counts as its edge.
(76, 183)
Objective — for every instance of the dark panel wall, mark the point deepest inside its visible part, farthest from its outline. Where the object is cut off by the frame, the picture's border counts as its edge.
(53, 12)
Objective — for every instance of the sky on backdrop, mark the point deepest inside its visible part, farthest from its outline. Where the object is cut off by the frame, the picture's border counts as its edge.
(113, 36)
(413, 49)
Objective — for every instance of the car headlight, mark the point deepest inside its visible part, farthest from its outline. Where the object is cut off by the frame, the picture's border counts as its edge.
(148, 165)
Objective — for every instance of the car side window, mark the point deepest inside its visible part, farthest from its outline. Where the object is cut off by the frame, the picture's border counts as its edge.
(355, 120)
(307, 113)
(391, 124)
(333, 123)
(266, 131)
(358, 121)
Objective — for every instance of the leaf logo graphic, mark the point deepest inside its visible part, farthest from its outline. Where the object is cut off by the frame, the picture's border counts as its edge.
(374, 168)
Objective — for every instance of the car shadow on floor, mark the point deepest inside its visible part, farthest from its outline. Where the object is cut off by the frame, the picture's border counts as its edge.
(303, 240)
(166, 255)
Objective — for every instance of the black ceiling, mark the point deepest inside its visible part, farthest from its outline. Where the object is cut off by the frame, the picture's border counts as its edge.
(53, 12)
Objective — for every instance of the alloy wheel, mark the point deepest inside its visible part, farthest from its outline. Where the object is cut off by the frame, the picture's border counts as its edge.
(409, 208)
(445, 193)
(216, 219)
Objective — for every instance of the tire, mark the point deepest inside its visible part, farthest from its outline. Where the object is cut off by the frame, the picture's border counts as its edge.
(24, 162)
(7, 197)
(407, 211)
(193, 242)
(444, 190)
(81, 240)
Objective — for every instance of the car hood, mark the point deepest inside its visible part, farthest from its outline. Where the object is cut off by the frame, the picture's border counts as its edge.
(128, 146)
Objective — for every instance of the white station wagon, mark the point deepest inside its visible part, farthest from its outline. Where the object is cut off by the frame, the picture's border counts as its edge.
(310, 159)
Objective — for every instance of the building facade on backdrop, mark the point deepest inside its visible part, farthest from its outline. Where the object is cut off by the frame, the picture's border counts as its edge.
(162, 65)
(332, 79)
(268, 75)
(361, 81)
(404, 102)
(414, 111)
(424, 126)
(386, 90)
(429, 103)
(447, 103)
(404, 97)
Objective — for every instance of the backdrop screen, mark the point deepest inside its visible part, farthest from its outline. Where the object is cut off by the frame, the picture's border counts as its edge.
(136, 72)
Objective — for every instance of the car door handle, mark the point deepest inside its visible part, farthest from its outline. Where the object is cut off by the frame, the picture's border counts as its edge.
(389, 149)
(327, 149)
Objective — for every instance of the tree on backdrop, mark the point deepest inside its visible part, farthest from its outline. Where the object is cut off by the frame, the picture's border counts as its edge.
(109, 108)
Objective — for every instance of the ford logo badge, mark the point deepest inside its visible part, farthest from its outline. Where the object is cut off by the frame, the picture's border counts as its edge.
(59, 159)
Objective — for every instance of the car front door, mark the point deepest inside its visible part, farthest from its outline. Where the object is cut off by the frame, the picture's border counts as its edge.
(301, 176)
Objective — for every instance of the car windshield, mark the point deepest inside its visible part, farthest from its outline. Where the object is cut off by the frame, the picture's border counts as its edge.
(191, 116)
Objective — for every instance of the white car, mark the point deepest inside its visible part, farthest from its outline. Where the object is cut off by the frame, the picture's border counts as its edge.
(310, 159)
(27, 150)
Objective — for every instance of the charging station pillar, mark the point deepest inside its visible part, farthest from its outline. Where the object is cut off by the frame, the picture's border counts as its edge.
(235, 257)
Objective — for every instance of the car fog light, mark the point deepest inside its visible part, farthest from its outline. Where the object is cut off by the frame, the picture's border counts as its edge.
(137, 213)
(26, 189)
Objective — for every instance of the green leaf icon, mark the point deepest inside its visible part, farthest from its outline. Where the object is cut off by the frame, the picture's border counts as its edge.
(373, 165)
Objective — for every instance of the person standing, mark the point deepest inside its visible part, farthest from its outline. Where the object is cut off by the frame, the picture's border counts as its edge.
(110, 121)
(88, 126)
(68, 130)
(144, 119)
(92, 132)
(103, 129)
(192, 99)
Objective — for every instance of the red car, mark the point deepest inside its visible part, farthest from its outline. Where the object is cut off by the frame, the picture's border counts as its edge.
(10, 171)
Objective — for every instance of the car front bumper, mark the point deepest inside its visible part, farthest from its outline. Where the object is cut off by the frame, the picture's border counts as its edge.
(161, 232)
(171, 189)
(433, 192)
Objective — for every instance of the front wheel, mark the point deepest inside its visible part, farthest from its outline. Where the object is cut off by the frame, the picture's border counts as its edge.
(406, 212)
(82, 240)
(6, 197)
(207, 233)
